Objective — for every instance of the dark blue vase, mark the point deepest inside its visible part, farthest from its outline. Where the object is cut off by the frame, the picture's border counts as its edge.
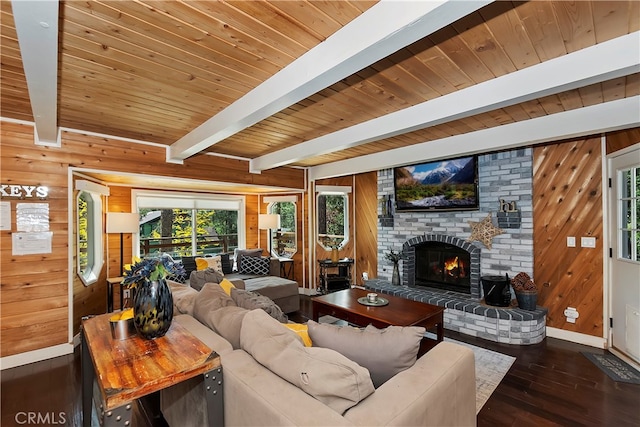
(152, 308)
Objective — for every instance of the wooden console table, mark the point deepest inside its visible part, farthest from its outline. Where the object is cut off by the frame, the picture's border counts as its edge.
(126, 370)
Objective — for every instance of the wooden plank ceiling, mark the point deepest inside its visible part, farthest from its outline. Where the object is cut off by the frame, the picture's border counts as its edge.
(156, 70)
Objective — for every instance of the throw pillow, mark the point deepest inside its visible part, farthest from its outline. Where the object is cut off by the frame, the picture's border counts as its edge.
(227, 285)
(215, 262)
(227, 263)
(211, 298)
(239, 253)
(252, 300)
(384, 352)
(199, 278)
(255, 265)
(322, 373)
(302, 331)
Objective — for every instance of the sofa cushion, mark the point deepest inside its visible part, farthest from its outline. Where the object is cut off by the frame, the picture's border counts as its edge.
(210, 298)
(252, 300)
(227, 321)
(384, 352)
(322, 373)
(255, 265)
(302, 331)
(199, 278)
(184, 297)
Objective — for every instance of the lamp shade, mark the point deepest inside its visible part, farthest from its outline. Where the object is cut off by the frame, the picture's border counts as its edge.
(268, 221)
(118, 222)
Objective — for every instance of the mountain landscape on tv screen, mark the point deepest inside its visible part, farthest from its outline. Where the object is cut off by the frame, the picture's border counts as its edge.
(446, 184)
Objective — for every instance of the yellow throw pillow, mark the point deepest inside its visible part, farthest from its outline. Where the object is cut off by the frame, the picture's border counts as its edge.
(226, 285)
(302, 331)
(201, 264)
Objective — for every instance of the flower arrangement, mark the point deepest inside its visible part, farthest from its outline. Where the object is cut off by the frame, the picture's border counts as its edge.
(152, 269)
(394, 256)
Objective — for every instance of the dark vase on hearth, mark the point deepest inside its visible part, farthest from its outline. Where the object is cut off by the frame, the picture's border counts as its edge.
(395, 276)
(152, 308)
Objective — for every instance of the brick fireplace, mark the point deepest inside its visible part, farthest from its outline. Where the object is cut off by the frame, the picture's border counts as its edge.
(502, 176)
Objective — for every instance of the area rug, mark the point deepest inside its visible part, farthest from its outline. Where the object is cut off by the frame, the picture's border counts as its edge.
(615, 368)
(491, 366)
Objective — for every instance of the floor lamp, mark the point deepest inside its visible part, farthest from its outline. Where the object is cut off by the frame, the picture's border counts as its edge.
(269, 222)
(122, 223)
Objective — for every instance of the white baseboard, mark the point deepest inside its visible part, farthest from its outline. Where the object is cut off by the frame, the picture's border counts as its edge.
(35, 356)
(576, 337)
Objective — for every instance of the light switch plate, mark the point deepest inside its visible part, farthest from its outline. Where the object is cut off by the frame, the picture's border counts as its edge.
(571, 241)
(588, 242)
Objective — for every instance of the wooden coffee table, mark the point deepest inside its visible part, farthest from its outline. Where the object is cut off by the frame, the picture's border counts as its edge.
(126, 370)
(399, 312)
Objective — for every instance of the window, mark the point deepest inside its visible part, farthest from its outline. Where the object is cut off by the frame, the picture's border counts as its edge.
(629, 232)
(89, 249)
(332, 216)
(285, 239)
(185, 224)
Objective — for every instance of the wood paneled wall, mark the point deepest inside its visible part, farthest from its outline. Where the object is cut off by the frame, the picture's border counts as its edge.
(567, 201)
(366, 225)
(622, 139)
(35, 288)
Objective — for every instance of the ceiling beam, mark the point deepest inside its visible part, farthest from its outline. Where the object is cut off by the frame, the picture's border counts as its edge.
(593, 120)
(380, 31)
(614, 58)
(37, 29)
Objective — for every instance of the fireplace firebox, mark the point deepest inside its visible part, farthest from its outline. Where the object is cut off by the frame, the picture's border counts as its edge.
(444, 266)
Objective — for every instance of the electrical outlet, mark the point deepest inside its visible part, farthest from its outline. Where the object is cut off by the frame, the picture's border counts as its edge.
(588, 242)
(365, 276)
(572, 314)
(571, 241)
(127, 293)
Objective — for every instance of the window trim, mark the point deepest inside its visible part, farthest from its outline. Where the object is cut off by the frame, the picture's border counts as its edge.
(333, 190)
(95, 241)
(285, 199)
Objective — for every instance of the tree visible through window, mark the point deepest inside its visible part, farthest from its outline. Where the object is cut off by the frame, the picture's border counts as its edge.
(332, 215)
(284, 239)
(187, 232)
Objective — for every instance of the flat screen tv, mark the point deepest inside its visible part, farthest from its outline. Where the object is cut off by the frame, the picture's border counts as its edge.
(450, 184)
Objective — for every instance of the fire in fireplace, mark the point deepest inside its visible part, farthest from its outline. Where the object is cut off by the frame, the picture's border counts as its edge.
(442, 265)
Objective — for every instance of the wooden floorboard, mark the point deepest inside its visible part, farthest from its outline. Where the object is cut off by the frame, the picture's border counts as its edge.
(549, 384)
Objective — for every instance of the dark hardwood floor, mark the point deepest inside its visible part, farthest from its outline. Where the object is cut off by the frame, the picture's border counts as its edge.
(550, 384)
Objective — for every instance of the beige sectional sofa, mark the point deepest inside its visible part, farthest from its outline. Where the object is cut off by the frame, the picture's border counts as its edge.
(283, 292)
(271, 379)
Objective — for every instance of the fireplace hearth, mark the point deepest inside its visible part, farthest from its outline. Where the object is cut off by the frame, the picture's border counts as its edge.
(442, 262)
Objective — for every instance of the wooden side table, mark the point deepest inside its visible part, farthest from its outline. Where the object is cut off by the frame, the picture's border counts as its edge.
(286, 268)
(126, 370)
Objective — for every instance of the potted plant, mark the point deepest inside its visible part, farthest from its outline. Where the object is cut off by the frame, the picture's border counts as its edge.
(525, 290)
(395, 258)
(152, 301)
